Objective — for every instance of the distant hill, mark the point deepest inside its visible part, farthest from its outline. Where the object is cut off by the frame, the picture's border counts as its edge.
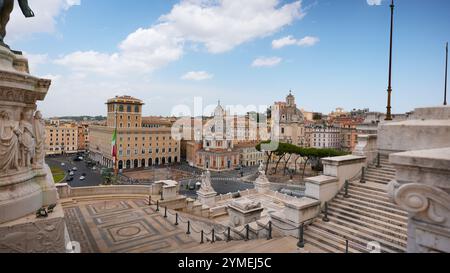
(82, 118)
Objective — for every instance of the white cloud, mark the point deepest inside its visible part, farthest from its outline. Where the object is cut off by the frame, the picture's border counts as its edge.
(46, 14)
(289, 40)
(374, 2)
(197, 76)
(266, 62)
(218, 25)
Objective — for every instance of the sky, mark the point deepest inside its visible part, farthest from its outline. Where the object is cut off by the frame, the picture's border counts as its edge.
(167, 52)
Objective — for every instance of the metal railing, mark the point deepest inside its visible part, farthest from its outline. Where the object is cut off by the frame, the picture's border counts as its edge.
(215, 233)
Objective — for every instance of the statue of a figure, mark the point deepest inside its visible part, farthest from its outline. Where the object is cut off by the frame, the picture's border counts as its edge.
(206, 182)
(262, 169)
(6, 7)
(39, 132)
(10, 135)
(27, 143)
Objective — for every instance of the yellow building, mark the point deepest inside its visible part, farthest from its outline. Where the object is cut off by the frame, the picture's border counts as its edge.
(141, 142)
(61, 138)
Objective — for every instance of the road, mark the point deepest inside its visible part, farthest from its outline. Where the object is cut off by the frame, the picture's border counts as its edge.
(93, 178)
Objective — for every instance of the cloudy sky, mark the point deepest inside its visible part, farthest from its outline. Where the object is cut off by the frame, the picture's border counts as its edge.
(329, 53)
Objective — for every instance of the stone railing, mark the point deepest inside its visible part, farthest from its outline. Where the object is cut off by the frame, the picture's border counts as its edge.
(229, 196)
(367, 147)
(422, 187)
(168, 190)
(336, 171)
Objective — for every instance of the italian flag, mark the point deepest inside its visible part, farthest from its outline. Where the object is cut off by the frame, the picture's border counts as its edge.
(114, 145)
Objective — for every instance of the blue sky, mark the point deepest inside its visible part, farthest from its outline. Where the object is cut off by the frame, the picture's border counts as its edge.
(167, 52)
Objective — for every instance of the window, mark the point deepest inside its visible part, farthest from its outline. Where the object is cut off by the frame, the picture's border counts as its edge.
(129, 108)
(136, 109)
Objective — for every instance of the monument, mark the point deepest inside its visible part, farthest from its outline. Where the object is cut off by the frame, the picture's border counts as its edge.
(206, 194)
(26, 182)
(262, 183)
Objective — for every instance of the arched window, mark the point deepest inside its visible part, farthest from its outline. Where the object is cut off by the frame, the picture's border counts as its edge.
(128, 164)
(136, 164)
(129, 108)
(175, 160)
(169, 160)
(157, 161)
(150, 162)
(121, 108)
(143, 163)
(136, 109)
(163, 161)
(120, 165)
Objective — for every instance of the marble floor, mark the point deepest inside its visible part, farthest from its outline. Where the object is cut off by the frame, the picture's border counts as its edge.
(122, 226)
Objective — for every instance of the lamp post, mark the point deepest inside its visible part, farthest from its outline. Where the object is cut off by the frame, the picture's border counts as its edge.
(389, 90)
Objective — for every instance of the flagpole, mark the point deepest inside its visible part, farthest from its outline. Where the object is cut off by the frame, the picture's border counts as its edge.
(446, 68)
(116, 171)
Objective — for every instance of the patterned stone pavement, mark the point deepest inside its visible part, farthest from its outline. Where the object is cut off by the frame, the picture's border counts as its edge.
(122, 226)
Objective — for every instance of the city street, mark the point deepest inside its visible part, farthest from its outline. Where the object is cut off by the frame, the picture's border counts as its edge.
(93, 178)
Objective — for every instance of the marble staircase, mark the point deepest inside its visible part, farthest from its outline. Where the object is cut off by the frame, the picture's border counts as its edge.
(365, 218)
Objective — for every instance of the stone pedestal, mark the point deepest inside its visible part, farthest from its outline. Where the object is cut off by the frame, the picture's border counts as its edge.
(207, 198)
(31, 235)
(26, 182)
(428, 128)
(367, 147)
(244, 211)
(322, 188)
(294, 214)
(343, 167)
(422, 187)
(169, 189)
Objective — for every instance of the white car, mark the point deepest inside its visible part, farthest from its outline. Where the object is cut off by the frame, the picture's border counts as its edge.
(74, 169)
(63, 164)
(71, 173)
(82, 178)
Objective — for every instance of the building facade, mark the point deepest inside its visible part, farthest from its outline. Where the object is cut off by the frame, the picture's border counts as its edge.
(291, 123)
(61, 138)
(141, 142)
(324, 136)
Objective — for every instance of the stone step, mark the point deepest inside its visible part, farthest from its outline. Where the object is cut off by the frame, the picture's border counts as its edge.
(393, 226)
(381, 231)
(280, 245)
(369, 234)
(324, 246)
(384, 204)
(356, 191)
(337, 242)
(354, 206)
(358, 236)
(376, 176)
(371, 186)
(369, 204)
(381, 171)
(376, 180)
(369, 191)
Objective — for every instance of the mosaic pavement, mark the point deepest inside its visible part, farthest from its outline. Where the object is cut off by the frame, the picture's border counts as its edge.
(122, 226)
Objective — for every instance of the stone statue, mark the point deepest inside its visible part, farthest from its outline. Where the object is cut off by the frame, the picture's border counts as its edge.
(6, 7)
(206, 182)
(27, 143)
(10, 135)
(262, 169)
(39, 131)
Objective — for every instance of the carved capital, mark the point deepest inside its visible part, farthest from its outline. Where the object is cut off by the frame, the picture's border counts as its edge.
(429, 203)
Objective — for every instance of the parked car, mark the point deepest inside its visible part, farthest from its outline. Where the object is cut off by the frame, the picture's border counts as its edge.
(63, 164)
(71, 173)
(82, 178)
(69, 179)
(74, 169)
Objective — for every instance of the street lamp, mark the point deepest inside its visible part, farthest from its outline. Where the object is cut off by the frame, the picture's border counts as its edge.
(389, 90)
